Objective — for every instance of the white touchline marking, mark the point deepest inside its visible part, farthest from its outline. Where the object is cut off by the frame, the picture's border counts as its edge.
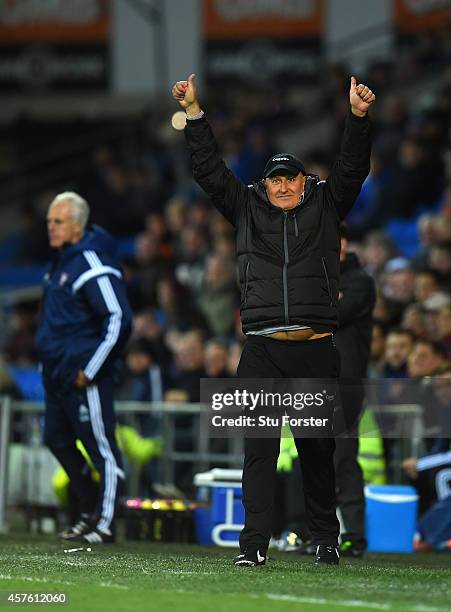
(109, 585)
(326, 602)
(177, 572)
(350, 603)
(32, 579)
(113, 586)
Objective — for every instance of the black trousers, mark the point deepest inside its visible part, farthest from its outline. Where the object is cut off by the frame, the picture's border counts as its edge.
(87, 415)
(267, 358)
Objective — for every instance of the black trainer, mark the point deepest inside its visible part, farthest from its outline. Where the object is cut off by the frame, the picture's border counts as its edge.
(84, 525)
(250, 558)
(327, 554)
(96, 536)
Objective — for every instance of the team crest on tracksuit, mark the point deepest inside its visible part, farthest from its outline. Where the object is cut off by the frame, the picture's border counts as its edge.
(83, 414)
(63, 278)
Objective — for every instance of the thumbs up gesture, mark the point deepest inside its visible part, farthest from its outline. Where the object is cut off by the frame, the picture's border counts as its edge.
(360, 97)
(186, 95)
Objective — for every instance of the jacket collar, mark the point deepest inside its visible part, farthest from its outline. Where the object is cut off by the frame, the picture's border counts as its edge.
(95, 238)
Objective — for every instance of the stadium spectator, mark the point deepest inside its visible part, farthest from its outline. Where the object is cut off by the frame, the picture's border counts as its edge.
(153, 266)
(398, 346)
(186, 373)
(218, 295)
(215, 359)
(175, 216)
(189, 368)
(377, 349)
(426, 358)
(426, 285)
(429, 472)
(432, 307)
(147, 383)
(190, 267)
(413, 319)
(443, 223)
(175, 308)
(441, 386)
(444, 328)
(146, 326)
(377, 250)
(397, 287)
(439, 260)
(198, 214)
(427, 233)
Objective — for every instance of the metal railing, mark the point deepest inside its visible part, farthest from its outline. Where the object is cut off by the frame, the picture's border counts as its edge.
(5, 430)
(201, 457)
(409, 433)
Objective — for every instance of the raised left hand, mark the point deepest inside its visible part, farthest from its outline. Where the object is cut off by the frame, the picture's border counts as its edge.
(360, 97)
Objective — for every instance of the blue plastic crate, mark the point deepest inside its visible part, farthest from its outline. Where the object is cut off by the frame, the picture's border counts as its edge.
(391, 514)
(222, 520)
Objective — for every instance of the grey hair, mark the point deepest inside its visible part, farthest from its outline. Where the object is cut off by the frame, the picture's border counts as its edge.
(80, 207)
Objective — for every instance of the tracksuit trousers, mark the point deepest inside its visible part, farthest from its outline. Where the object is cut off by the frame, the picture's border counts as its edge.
(86, 415)
(268, 358)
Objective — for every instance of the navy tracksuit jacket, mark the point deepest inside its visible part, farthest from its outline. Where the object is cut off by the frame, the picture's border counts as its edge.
(85, 322)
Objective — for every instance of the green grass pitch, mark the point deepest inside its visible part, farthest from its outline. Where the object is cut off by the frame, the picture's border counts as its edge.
(173, 577)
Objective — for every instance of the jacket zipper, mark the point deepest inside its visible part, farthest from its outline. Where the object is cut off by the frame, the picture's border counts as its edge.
(285, 267)
(327, 280)
(246, 282)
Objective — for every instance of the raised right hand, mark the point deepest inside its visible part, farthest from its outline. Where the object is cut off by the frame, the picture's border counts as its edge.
(186, 95)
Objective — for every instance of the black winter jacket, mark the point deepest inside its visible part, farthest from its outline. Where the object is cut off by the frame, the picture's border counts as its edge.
(355, 318)
(288, 261)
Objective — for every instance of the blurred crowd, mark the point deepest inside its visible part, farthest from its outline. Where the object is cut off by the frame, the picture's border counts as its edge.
(178, 252)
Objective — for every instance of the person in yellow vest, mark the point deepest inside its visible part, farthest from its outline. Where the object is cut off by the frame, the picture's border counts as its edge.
(370, 457)
(371, 450)
(290, 521)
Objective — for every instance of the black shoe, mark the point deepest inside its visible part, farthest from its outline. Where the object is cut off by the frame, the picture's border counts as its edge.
(348, 548)
(96, 536)
(306, 548)
(84, 525)
(250, 558)
(327, 554)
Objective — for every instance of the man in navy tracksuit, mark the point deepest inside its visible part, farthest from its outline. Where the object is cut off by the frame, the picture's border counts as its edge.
(85, 322)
